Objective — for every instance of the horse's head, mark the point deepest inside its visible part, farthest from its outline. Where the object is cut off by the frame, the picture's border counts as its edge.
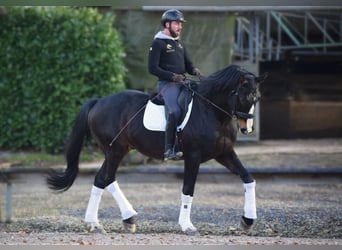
(242, 88)
(247, 95)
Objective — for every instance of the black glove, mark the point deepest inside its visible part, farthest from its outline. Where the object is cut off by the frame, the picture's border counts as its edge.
(197, 72)
(178, 78)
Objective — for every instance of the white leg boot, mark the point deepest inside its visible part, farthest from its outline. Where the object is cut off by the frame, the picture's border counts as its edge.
(91, 216)
(184, 215)
(250, 214)
(126, 208)
(250, 204)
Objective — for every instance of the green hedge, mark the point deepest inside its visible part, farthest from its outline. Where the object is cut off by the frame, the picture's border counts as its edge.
(52, 59)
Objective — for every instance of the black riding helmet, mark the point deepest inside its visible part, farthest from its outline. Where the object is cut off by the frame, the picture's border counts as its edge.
(172, 15)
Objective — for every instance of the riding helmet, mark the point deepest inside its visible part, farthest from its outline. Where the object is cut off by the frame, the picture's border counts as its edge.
(172, 15)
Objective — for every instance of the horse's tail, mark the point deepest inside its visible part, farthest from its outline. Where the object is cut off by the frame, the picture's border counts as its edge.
(62, 181)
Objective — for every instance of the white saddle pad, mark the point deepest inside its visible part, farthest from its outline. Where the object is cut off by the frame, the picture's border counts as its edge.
(154, 117)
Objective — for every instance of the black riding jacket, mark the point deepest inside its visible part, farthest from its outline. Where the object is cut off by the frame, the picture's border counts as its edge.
(168, 56)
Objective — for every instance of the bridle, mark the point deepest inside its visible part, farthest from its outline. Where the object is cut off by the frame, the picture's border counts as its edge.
(234, 114)
(238, 114)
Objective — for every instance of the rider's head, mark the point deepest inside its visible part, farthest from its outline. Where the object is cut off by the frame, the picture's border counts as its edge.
(172, 22)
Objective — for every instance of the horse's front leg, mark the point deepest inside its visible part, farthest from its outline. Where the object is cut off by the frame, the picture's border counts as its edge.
(191, 167)
(233, 163)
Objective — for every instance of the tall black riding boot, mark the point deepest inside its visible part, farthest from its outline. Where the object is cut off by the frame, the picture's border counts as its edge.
(170, 135)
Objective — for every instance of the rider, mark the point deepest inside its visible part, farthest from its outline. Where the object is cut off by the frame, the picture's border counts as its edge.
(168, 60)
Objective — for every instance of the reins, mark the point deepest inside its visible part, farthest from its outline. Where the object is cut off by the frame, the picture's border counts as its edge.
(212, 103)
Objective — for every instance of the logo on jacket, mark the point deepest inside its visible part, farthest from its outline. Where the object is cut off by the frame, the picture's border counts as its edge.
(169, 48)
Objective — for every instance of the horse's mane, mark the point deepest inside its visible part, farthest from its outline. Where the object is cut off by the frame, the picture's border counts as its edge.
(223, 80)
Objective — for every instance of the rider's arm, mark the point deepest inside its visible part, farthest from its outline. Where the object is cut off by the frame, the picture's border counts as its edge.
(154, 61)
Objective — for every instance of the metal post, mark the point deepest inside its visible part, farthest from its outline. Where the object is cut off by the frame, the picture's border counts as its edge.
(279, 43)
(306, 27)
(268, 36)
(324, 37)
(257, 121)
(250, 39)
(341, 27)
(239, 36)
(257, 38)
(8, 201)
(270, 48)
(262, 46)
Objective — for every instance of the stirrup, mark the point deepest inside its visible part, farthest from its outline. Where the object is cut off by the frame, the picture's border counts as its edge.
(170, 154)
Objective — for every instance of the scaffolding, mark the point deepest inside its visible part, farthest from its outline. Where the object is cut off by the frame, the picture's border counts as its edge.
(266, 35)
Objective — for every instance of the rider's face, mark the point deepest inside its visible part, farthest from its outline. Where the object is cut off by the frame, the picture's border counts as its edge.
(176, 27)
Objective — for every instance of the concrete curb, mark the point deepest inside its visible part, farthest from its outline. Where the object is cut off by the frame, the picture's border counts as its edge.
(179, 170)
(259, 171)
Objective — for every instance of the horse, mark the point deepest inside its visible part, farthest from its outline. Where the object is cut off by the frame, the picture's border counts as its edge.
(221, 101)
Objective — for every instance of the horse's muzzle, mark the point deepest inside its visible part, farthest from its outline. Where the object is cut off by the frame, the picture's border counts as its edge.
(243, 126)
(246, 123)
(246, 127)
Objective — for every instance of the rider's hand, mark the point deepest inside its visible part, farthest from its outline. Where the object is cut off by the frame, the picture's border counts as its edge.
(178, 78)
(197, 72)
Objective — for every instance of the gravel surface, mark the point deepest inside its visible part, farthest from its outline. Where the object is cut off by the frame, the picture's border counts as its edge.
(292, 210)
(308, 212)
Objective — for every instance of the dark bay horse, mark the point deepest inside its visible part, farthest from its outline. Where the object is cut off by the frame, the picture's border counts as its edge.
(209, 134)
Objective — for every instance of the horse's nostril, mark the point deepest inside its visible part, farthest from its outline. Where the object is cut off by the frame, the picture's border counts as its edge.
(244, 131)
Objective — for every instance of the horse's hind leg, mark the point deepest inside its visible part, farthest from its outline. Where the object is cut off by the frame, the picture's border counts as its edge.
(91, 216)
(233, 163)
(105, 179)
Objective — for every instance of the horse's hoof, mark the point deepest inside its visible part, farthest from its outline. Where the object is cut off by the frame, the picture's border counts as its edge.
(129, 225)
(190, 230)
(246, 224)
(95, 227)
(130, 228)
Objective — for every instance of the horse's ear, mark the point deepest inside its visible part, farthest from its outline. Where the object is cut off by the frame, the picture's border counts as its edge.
(261, 78)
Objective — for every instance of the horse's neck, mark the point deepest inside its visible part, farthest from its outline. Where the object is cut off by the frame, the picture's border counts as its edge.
(220, 96)
(221, 107)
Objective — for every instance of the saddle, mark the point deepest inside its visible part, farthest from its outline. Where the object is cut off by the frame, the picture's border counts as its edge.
(156, 108)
